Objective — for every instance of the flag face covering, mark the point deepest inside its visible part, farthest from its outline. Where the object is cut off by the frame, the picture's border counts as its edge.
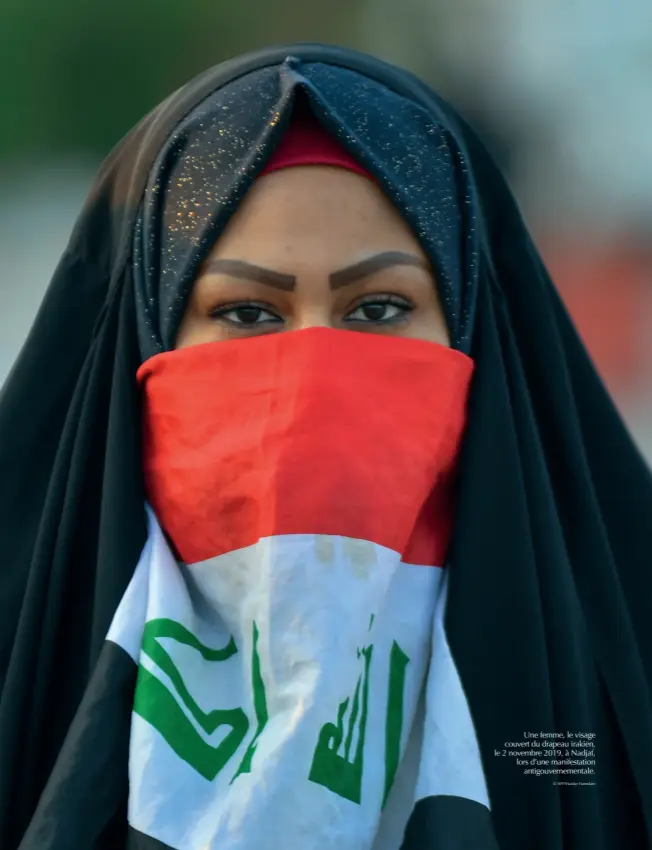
(319, 431)
(304, 480)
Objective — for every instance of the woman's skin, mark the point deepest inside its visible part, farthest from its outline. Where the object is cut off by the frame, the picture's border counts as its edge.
(314, 246)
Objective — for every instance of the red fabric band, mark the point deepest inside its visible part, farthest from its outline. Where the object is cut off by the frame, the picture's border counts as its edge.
(306, 142)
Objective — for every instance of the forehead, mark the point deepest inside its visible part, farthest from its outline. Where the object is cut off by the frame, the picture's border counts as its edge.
(307, 205)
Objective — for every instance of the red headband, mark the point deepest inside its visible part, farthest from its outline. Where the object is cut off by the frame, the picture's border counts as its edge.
(306, 142)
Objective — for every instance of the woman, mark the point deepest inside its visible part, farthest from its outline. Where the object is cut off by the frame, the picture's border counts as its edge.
(301, 318)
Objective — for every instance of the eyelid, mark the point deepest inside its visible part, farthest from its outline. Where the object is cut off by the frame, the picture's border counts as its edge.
(383, 298)
(219, 309)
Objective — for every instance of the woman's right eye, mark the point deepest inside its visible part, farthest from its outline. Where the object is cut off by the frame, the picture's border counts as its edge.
(245, 315)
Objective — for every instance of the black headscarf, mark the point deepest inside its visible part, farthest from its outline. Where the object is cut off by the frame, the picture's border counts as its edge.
(211, 158)
(548, 614)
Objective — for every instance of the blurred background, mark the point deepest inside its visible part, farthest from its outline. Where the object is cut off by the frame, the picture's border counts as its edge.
(560, 90)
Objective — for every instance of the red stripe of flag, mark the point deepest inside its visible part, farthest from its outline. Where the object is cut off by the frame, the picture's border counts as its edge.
(306, 432)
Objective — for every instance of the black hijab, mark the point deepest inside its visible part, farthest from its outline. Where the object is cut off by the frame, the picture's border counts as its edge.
(548, 607)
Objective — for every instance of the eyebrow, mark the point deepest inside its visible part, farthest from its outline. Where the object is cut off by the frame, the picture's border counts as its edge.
(341, 277)
(249, 271)
(373, 265)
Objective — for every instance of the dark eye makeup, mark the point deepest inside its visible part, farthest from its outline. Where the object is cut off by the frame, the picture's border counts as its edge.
(372, 309)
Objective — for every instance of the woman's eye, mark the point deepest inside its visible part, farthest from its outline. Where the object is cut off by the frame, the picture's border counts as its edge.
(377, 310)
(380, 310)
(245, 314)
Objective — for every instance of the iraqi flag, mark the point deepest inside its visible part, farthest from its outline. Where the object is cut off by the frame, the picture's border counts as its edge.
(288, 689)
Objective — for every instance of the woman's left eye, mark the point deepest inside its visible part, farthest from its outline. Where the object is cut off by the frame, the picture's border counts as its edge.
(381, 310)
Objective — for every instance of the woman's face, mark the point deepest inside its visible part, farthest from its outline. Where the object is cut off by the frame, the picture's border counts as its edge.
(314, 246)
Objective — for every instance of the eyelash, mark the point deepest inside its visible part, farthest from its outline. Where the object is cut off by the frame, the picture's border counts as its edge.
(220, 313)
